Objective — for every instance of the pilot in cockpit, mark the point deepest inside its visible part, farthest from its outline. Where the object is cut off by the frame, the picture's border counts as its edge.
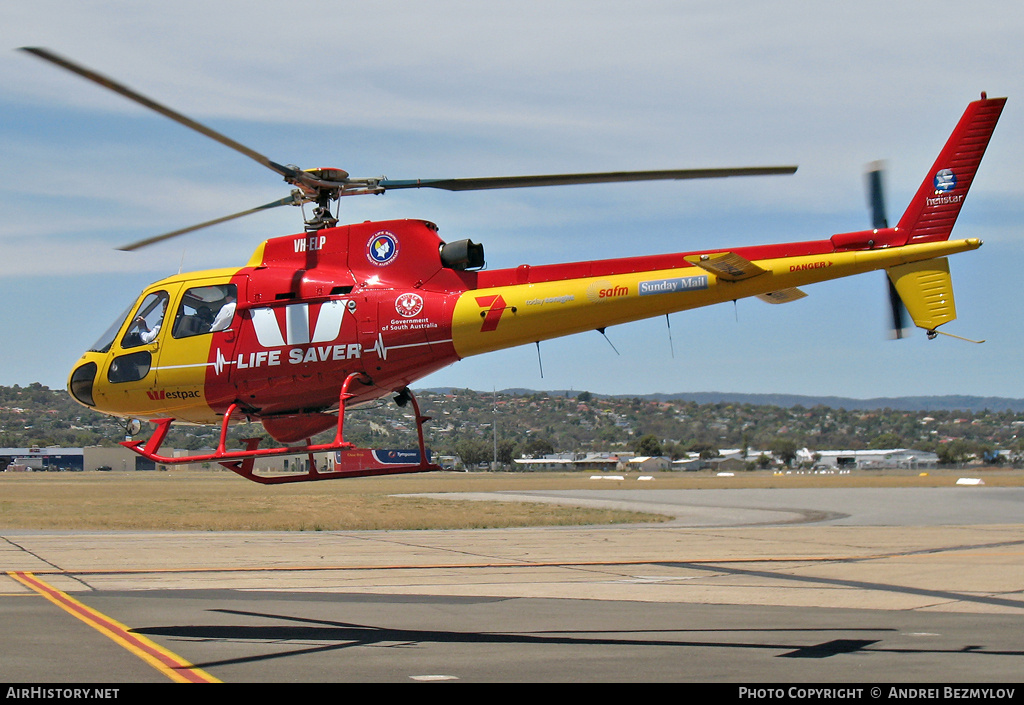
(226, 313)
(146, 324)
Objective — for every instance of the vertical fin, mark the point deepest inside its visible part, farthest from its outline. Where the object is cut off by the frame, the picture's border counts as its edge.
(934, 209)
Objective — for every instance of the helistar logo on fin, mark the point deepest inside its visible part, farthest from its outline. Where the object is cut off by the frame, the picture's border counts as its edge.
(945, 181)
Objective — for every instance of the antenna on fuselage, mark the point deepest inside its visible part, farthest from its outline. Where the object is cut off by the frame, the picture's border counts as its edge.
(671, 347)
(601, 331)
(540, 362)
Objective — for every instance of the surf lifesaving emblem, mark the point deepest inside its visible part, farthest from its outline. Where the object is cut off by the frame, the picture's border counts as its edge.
(382, 248)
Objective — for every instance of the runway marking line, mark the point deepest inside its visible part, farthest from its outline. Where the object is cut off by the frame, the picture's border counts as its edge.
(451, 566)
(171, 665)
(488, 564)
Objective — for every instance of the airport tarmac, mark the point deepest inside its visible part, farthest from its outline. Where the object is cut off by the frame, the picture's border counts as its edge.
(856, 586)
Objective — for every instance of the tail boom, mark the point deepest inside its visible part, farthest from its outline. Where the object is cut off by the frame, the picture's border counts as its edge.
(515, 314)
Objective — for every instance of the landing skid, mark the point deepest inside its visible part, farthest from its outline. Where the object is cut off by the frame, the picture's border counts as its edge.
(351, 461)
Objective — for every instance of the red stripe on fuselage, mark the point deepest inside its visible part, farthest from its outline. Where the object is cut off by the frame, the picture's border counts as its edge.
(626, 265)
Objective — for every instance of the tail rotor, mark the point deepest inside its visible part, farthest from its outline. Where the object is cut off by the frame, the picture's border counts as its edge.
(874, 175)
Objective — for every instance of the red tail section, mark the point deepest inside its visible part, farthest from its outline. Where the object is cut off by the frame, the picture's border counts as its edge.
(934, 209)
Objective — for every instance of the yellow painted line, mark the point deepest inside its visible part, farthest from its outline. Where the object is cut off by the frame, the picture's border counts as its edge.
(171, 665)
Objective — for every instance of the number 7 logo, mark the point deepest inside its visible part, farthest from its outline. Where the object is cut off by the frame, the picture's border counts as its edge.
(495, 306)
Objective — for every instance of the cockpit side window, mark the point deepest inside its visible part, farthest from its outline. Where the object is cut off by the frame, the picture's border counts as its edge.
(205, 309)
(147, 321)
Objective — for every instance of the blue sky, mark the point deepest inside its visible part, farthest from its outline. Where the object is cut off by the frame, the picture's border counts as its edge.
(457, 89)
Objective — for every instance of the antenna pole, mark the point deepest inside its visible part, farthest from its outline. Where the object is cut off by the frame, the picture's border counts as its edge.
(601, 331)
(671, 347)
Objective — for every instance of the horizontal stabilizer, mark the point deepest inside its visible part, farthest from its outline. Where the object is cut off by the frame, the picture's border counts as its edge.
(926, 289)
(726, 265)
(783, 296)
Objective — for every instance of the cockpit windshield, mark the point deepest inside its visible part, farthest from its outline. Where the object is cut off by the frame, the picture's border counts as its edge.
(203, 309)
(107, 339)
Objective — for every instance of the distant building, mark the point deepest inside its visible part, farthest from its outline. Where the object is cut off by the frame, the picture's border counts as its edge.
(596, 462)
(543, 464)
(905, 458)
(648, 464)
(35, 458)
(731, 464)
(687, 464)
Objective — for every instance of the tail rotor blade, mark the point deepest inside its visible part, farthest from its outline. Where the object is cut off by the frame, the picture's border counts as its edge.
(899, 313)
(874, 173)
(876, 195)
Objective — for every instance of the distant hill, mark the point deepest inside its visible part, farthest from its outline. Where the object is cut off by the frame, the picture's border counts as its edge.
(788, 401)
(928, 403)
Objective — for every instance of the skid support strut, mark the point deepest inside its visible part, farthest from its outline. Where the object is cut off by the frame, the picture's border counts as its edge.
(349, 460)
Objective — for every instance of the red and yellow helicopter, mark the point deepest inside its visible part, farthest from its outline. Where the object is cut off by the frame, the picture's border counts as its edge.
(340, 315)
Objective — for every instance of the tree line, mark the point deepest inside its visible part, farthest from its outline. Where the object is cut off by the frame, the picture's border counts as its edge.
(482, 426)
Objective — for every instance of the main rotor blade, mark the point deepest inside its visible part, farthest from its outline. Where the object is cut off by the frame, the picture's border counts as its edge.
(123, 90)
(496, 182)
(290, 200)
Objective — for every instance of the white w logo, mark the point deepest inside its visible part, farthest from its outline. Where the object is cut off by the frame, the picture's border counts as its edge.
(270, 335)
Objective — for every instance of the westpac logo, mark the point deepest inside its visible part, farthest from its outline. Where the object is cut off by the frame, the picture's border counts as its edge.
(162, 394)
(296, 329)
